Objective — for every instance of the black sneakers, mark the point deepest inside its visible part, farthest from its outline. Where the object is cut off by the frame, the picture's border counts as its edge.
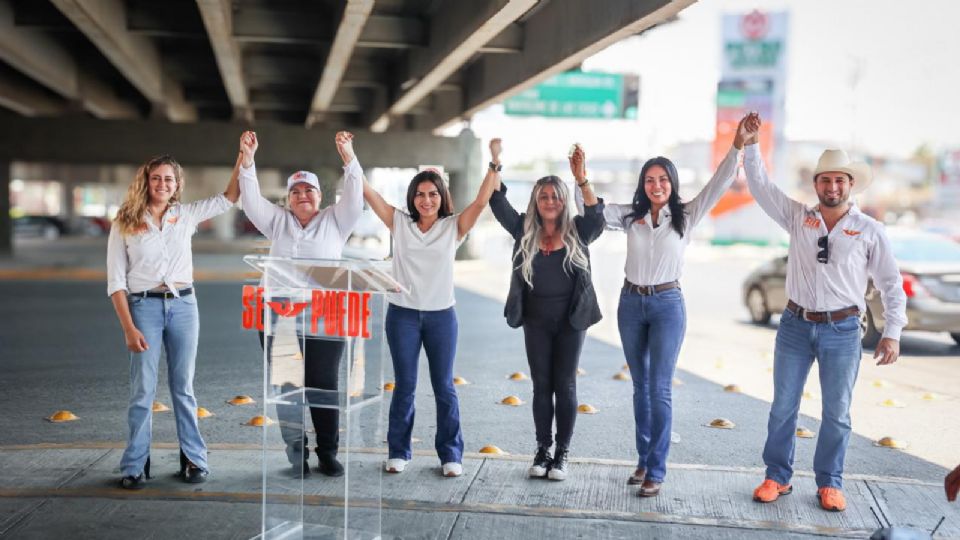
(329, 465)
(541, 462)
(558, 469)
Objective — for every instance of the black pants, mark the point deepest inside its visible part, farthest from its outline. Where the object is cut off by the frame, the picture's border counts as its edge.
(553, 352)
(321, 368)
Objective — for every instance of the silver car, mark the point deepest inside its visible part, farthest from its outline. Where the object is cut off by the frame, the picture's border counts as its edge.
(929, 263)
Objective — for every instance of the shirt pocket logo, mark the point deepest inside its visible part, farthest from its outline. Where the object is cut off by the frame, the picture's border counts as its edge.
(850, 232)
(811, 222)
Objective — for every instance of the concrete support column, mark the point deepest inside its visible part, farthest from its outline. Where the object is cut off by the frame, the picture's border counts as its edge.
(330, 183)
(465, 180)
(6, 225)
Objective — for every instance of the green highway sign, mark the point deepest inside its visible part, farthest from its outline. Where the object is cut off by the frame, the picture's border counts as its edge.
(579, 94)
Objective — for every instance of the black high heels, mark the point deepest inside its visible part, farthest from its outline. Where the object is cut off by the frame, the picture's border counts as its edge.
(190, 473)
(139, 481)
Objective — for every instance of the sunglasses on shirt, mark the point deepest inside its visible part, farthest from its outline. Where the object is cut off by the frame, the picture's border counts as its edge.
(824, 254)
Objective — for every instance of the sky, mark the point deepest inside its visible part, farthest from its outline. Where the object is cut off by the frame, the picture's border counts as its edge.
(879, 76)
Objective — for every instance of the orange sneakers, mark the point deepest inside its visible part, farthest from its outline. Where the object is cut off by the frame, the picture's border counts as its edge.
(832, 499)
(770, 491)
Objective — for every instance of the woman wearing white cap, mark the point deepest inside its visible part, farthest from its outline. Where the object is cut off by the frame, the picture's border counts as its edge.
(150, 281)
(425, 240)
(304, 230)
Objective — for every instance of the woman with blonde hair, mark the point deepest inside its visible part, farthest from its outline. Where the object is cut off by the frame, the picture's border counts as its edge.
(552, 297)
(150, 282)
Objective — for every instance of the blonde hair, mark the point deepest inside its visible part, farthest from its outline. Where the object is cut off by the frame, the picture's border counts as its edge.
(533, 226)
(130, 215)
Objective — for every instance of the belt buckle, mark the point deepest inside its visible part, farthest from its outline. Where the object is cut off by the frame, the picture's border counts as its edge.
(167, 295)
(645, 290)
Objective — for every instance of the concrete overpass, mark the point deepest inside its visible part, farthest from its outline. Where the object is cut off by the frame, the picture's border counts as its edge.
(112, 82)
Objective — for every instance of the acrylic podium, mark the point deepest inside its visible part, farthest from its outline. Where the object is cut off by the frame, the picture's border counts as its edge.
(319, 316)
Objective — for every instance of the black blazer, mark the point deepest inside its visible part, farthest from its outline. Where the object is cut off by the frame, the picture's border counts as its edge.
(584, 309)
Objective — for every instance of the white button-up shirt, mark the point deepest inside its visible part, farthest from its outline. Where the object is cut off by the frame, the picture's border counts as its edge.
(323, 237)
(159, 256)
(857, 248)
(655, 254)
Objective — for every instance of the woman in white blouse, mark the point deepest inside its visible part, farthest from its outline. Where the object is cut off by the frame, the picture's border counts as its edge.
(652, 315)
(304, 230)
(150, 281)
(425, 240)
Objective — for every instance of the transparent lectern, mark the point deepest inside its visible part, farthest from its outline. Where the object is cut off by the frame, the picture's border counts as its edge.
(323, 354)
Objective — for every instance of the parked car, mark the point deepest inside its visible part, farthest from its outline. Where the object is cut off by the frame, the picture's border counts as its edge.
(48, 227)
(929, 264)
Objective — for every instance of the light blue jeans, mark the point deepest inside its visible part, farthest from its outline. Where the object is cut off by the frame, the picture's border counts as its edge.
(651, 330)
(173, 325)
(836, 346)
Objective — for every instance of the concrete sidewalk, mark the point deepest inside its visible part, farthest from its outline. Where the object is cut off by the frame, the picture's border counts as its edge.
(64, 491)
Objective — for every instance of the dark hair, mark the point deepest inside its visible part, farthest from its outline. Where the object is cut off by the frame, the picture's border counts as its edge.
(446, 206)
(641, 203)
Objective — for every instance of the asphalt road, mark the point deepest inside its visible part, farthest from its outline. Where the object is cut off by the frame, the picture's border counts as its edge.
(62, 349)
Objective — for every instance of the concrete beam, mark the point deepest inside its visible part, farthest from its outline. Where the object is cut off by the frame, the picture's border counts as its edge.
(252, 24)
(135, 56)
(85, 141)
(456, 34)
(557, 38)
(24, 97)
(44, 60)
(218, 20)
(355, 16)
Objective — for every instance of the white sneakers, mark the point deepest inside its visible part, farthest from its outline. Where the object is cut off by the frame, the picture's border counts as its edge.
(452, 469)
(396, 465)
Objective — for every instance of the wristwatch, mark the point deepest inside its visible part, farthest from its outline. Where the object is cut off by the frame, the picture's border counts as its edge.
(496, 167)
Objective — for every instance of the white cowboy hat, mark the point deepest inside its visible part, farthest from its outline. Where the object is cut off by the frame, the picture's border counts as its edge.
(839, 161)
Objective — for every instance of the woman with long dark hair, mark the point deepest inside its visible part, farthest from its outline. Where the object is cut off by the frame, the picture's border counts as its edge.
(652, 316)
(150, 282)
(552, 297)
(425, 240)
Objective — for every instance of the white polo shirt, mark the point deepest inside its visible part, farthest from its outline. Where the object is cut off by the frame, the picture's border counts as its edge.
(858, 248)
(655, 255)
(423, 262)
(154, 257)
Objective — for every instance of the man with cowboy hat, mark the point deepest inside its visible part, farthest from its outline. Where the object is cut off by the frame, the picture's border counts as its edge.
(834, 248)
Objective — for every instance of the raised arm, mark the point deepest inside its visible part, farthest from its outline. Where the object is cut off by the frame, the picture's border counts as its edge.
(259, 210)
(468, 218)
(378, 204)
(612, 214)
(350, 206)
(232, 192)
(725, 174)
(771, 199)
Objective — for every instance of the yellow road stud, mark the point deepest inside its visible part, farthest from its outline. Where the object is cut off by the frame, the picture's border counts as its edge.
(584, 408)
(677, 381)
(491, 449)
(621, 376)
(733, 388)
(721, 423)
(808, 395)
(895, 403)
(202, 412)
(460, 381)
(511, 400)
(389, 386)
(62, 416)
(625, 367)
(581, 371)
(880, 383)
(241, 400)
(160, 407)
(805, 433)
(260, 421)
(890, 442)
(518, 376)
(930, 396)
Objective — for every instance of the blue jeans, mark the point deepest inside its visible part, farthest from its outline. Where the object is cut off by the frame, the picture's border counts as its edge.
(408, 329)
(836, 346)
(173, 325)
(651, 330)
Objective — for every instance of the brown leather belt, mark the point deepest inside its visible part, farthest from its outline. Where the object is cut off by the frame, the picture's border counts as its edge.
(647, 290)
(821, 316)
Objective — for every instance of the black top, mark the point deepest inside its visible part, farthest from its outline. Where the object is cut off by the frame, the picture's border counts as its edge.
(550, 280)
(583, 310)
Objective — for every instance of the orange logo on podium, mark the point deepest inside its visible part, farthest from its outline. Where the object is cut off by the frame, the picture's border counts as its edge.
(344, 314)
